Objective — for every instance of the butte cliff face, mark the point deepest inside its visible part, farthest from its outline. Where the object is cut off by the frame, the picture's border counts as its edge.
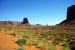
(69, 24)
(70, 20)
(71, 13)
(25, 21)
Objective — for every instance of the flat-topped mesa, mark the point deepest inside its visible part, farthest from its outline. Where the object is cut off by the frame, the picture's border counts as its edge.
(25, 21)
(9, 23)
(4, 23)
(71, 13)
(15, 23)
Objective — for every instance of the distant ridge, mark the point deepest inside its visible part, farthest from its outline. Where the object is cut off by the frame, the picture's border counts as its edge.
(14, 23)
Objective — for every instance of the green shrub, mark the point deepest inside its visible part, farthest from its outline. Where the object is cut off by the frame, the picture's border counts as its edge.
(51, 47)
(21, 42)
(21, 49)
(66, 47)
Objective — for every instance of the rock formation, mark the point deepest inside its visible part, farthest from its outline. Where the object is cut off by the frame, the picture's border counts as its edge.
(13, 23)
(9, 23)
(71, 13)
(5, 22)
(70, 22)
(70, 16)
(25, 21)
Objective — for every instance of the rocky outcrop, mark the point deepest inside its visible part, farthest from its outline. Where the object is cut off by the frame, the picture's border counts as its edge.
(71, 13)
(13, 23)
(70, 16)
(70, 23)
(25, 21)
(5, 22)
(9, 23)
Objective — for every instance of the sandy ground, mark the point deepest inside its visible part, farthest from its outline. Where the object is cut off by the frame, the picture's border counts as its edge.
(7, 42)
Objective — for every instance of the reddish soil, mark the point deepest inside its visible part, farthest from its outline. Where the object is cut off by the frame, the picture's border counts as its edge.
(7, 42)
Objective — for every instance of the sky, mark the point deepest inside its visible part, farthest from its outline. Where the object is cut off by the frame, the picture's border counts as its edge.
(43, 12)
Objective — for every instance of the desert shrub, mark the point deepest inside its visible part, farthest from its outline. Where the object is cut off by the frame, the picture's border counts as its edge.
(42, 43)
(44, 40)
(21, 48)
(51, 46)
(66, 47)
(21, 42)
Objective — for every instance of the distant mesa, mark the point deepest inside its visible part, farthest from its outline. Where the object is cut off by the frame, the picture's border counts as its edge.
(70, 20)
(25, 21)
(13, 23)
(9, 22)
(38, 25)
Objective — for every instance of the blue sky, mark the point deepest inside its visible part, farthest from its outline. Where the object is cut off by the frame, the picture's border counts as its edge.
(49, 12)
